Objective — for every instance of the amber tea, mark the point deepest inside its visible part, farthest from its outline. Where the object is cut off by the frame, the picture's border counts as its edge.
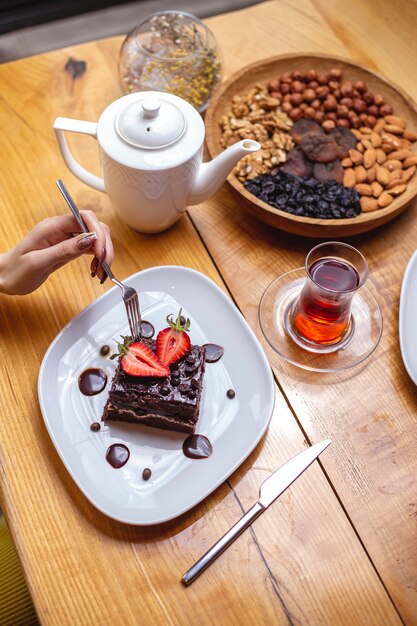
(322, 312)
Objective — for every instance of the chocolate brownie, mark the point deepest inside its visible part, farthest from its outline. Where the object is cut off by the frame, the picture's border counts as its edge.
(172, 402)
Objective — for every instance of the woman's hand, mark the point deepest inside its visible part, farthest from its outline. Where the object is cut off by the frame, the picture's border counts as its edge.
(49, 246)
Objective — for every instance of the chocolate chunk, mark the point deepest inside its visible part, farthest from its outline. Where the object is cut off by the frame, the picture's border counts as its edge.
(183, 388)
(164, 391)
(191, 394)
(194, 383)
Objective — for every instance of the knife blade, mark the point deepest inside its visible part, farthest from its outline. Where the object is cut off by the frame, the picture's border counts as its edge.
(269, 491)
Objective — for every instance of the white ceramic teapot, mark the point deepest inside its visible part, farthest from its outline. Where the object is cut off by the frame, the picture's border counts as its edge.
(151, 147)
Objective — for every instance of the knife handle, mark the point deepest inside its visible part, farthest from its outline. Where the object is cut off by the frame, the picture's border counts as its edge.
(222, 544)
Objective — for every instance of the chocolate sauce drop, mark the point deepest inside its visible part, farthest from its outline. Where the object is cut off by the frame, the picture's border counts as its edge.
(95, 427)
(197, 447)
(104, 350)
(92, 381)
(147, 473)
(146, 330)
(230, 393)
(213, 352)
(117, 455)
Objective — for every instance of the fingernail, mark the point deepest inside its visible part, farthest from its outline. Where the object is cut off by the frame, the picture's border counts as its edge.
(94, 267)
(103, 256)
(86, 240)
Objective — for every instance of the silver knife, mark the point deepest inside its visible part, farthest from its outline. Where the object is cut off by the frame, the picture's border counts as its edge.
(269, 491)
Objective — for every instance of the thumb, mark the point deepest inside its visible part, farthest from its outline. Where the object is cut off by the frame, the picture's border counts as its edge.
(67, 250)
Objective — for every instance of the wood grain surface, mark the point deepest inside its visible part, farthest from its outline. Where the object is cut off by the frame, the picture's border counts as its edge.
(339, 546)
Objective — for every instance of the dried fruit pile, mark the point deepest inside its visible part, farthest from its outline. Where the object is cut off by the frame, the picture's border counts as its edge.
(321, 127)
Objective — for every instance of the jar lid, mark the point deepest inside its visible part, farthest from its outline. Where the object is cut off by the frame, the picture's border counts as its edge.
(150, 123)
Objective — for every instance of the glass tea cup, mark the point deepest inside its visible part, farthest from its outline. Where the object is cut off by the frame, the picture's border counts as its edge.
(320, 317)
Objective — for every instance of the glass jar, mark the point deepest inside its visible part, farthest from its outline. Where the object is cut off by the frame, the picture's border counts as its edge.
(173, 52)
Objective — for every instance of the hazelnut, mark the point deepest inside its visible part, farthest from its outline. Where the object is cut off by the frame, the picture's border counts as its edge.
(275, 94)
(295, 114)
(371, 121)
(323, 79)
(385, 109)
(312, 74)
(273, 85)
(297, 86)
(355, 122)
(286, 107)
(322, 92)
(328, 125)
(331, 116)
(378, 100)
(373, 110)
(336, 93)
(303, 106)
(346, 89)
(309, 95)
(342, 111)
(286, 77)
(316, 104)
(335, 73)
(360, 86)
(313, 84)
(359, 105)
(330, 103)
(352, 114)
(347, 102)
(343, 123)
(296, 99)
(297, 75)
(285, 88)
(363, 117)
(319, 117)
(368, 97)
(287, 97)
(334, 84)
(310, 113)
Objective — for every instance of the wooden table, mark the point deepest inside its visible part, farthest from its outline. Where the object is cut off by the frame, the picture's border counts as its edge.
(340, 546)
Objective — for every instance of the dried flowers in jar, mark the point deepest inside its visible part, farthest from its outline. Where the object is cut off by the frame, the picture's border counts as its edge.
(173, 52)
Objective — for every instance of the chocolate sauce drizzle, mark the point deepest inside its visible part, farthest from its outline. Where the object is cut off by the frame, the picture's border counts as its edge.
(147, 330)
(197, 447)
(213, 352)
(92, 381)
(117, 455)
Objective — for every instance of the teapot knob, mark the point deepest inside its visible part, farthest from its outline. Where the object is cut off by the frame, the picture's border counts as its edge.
(151, 108)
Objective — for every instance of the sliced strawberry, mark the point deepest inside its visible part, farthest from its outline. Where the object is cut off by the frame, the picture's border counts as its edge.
(139, 360)
(173, 342)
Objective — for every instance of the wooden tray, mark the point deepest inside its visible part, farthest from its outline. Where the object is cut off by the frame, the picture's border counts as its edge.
(264, 71)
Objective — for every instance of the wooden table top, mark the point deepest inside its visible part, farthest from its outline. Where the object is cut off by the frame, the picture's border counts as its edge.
(339, 547)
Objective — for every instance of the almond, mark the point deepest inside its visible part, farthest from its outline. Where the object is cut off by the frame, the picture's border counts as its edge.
(366, 144)
(360, 174)
(365, 130)
(376, 140)
(379, 125)
(395, 120)
(410, 135)
(396, 175)
(377, 189)
(387, 147)
(355, 156)
(405, 144)
(393, 164)
(357, 134)
(360, 147)
(368, 204)
(349, 178)
(409, 173)
(397, 189)
(380, 155)
(369, 157)
(392, 128)
(382, 175)
(412, 160)
(371, 174)
(384, 199)
(346, 162)
(390, 139)
(364, 190)
(400, 155)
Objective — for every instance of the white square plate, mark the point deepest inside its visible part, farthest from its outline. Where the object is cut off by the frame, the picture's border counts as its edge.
(234, 426)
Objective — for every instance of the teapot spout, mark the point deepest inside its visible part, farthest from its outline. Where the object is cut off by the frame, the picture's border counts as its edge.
(211, 175)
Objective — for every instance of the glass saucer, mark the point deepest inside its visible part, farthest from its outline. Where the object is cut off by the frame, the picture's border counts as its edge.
(273, 310)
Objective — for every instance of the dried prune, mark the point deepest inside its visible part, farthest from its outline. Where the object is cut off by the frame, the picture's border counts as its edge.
(303, 126)
(297, 164)
(345, 140)
(329, 171)
(305, 196)
(318, 147)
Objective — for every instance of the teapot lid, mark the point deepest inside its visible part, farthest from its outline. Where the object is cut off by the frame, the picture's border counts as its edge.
(150, 123)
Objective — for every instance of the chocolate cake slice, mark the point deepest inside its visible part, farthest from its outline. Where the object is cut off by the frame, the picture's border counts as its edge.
(171, 402)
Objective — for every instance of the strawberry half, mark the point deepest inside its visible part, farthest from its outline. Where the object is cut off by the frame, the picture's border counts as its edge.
(139, 360)
(173, 342)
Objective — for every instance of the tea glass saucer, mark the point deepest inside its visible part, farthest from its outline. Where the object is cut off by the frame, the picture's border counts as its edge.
(275, 305)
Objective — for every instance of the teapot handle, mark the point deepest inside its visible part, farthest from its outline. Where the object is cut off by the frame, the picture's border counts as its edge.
(63, 124)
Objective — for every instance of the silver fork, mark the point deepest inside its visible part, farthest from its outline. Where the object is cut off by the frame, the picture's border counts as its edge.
(129, 295)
